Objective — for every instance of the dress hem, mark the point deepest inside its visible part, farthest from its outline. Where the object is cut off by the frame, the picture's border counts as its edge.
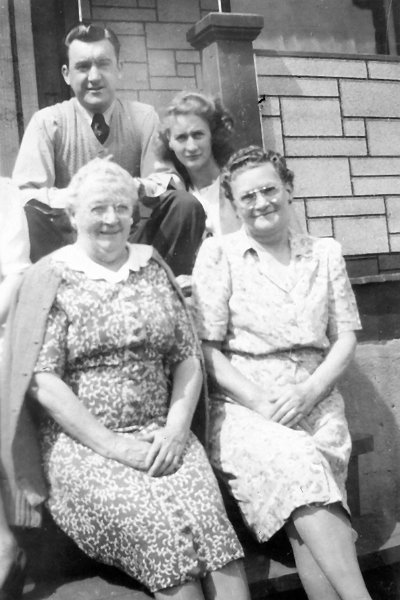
(265, 537)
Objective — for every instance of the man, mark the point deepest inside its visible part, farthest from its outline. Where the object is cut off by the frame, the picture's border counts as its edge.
(95, 122)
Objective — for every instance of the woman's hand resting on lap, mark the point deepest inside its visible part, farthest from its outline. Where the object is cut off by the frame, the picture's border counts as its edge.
(166, 450)
(259, 401)
(292, 404)
(131, 451)
(157, 452)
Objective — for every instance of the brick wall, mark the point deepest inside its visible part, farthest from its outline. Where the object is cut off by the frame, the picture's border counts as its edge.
(337, 120)
(157, 60)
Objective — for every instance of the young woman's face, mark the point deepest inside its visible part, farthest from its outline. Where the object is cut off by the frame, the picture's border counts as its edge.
(261, 200)
(190, 140)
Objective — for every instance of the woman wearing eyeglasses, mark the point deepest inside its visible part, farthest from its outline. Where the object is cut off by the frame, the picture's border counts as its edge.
(277, 315)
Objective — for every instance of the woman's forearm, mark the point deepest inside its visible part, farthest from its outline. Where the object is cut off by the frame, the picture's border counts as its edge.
(235, 385)
(66, 409)
(333, 367)
(297, 400)
(230, 381)
(168, 443)
(187, 382)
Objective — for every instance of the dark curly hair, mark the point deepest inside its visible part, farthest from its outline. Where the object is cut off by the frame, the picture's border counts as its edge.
(212, 111)
(250, 157)
(88, 32)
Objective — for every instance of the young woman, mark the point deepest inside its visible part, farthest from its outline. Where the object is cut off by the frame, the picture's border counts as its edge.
(196, 135)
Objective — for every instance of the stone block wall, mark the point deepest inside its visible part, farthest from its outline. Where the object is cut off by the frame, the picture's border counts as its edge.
(370, 390)
(337, 120)
(157, 60)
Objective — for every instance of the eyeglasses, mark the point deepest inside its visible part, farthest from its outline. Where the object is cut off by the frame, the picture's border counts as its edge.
(267, 192)
(121, 210)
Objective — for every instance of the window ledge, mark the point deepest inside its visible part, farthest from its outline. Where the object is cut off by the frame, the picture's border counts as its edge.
(381, 278)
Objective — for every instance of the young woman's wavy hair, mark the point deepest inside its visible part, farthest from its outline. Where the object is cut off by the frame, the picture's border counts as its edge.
(249, 158)
(213, 112)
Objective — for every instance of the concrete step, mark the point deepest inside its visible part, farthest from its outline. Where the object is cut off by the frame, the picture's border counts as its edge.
(268, 573)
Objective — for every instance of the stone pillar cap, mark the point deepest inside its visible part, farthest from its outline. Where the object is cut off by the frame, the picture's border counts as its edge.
(224, 26)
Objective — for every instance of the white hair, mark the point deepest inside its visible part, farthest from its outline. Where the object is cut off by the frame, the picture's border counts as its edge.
(117, 182)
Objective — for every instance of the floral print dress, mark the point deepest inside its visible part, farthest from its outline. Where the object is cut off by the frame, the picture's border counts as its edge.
(113, 343)
(275, 333)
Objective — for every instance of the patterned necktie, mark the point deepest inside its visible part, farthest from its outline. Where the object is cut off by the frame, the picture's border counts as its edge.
(100, 127)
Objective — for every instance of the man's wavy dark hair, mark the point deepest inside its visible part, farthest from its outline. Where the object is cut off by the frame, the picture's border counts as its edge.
(88, 32)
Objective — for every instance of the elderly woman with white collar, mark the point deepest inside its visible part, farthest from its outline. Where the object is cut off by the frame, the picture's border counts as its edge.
(116, 381)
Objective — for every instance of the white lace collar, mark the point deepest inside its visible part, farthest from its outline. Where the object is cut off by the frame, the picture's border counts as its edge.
(76, 259)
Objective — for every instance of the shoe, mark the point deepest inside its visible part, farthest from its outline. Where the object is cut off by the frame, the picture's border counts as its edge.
(13, 586)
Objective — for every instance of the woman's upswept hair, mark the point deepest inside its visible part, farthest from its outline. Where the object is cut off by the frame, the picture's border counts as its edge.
(250, 157)
(213, 112)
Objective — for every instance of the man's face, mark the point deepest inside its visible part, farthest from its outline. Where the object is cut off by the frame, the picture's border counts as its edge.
(93, 73)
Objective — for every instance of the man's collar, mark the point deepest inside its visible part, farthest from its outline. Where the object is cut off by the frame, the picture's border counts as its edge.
(88, 115)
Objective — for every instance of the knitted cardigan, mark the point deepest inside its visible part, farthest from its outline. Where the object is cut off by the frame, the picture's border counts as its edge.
(23, 485)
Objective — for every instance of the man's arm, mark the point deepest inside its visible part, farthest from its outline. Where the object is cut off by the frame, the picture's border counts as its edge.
(34, 171)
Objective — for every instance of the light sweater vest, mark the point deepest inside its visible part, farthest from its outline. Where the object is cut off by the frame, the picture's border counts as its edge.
(132, 126)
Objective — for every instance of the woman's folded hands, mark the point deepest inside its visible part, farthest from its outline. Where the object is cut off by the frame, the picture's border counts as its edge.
(131, 451)
(168, 445)
(157, 452)
(286, 405)
(292, 404)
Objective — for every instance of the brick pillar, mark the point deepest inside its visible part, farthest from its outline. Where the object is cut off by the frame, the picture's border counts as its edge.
(225, 41)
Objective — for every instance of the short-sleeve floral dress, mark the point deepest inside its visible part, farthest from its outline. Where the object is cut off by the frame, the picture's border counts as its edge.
(113, 343)
(275, 332)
